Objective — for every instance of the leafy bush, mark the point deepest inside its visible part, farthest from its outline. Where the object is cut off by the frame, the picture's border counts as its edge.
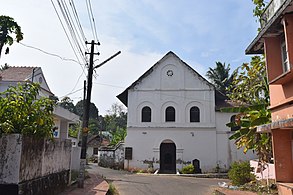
(189, 169)
(23, 112)
(240, 173)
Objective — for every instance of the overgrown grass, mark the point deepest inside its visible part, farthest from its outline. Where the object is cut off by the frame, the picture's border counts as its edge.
(112, 190)
(74, 175)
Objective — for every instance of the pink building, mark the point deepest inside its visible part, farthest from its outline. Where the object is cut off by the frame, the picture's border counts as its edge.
(275, 40)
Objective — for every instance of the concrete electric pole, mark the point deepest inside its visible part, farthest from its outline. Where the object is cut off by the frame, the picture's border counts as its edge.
(86, 110)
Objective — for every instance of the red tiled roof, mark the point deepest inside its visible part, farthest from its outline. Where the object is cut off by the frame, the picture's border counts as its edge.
(16, 73)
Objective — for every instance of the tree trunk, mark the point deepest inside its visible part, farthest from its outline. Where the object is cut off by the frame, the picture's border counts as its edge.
(1, 46)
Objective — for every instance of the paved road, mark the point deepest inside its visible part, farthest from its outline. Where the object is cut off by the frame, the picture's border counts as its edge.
(142, 184)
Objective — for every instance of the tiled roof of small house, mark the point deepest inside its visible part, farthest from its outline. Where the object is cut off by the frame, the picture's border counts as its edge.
(97, 141)
(16, 73)
(94, 140)
(24, 73)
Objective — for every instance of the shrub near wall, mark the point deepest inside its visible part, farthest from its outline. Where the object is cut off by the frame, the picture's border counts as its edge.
(24, 113)
(189, 169)
(240, 173)
(31, 162)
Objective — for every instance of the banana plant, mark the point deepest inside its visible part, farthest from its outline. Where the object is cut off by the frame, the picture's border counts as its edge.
(250, 90)
(247, 137)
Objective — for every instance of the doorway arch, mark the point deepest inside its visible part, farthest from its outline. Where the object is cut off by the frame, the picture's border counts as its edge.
(168, 157)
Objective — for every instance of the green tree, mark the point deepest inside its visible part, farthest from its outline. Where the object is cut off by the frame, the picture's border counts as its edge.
(116, 117)
(259, 8)
(21, 111)
(8, 27)
(220, 76)
(67, 103)
(94, 112)
(95, 121)
(118, 135)
(250, 86)
(73, 130)
(251, 90)
(94, 127)
(115, 123)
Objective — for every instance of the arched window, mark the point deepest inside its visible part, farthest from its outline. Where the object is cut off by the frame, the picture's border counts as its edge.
(146, 114)
(170, 114)
(194, 114)
(232, 120)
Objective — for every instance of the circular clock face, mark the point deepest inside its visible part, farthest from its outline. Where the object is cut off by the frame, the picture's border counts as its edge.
(170, 73)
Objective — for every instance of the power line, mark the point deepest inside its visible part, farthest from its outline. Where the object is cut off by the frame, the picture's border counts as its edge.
(51, 54)
(71, 93)
(109, 85)
(87, 7)
(93, 19)
(77, 19)
(92, 22)
(76, 83)
(55, 55)
(73, 25)
(65, 31)
(71, 30)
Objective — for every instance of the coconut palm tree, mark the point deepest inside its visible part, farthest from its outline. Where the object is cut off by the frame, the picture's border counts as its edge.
(220, 76)
(8, 27)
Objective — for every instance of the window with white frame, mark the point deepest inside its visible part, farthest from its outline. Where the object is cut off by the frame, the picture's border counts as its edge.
(284, 52)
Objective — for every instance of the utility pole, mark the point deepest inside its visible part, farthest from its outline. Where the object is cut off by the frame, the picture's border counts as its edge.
(86, 110)
(85, 120)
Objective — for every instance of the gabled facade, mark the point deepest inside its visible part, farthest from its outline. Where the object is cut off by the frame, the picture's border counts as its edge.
(14, 75)
(275, 40)
(173, 120)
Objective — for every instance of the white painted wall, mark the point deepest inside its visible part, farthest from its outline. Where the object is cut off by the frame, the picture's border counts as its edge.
(206, 141)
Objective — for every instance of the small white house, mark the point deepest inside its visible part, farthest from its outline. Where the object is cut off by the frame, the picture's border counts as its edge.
(14, 75)
(174, 120)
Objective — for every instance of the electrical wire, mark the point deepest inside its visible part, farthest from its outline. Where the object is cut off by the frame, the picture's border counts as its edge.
(92, 22)
(93, 19)
(71, 93)
(73, 25)
(109, 85)
(70, 42)
(71, 30)
(76, 83)
(77, 20)
(51, 54)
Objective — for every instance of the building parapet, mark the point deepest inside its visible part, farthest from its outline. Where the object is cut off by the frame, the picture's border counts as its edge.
(282, 124)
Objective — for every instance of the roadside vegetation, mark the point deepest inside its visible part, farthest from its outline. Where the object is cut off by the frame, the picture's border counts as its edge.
(23, 112)
(249, 90)
(242, 179)
(188, 169)
(112, 190)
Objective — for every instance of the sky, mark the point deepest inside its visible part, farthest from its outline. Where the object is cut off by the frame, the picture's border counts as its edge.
(201, 33)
